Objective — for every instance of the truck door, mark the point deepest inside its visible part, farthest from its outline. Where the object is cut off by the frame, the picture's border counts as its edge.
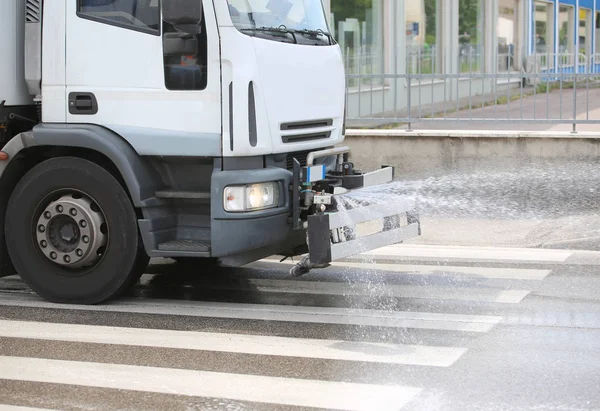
(131, 72)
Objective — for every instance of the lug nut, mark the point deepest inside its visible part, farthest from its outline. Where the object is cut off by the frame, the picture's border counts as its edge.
(79, 252)
(67, 259)
(41, 228)
(83, 223)
(73, 212)
(53, 255)
(48, 215)
(59, 208)
(86, 239)
(44, 244)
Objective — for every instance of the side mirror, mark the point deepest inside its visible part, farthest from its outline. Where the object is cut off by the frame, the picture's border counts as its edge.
(185, 15)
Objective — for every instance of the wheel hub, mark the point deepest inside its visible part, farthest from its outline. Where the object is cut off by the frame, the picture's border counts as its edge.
(72, 231)
(67, 232)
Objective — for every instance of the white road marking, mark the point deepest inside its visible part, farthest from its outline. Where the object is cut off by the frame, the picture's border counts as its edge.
(237, 387)
(266, 312)
(236, 343)
(403, 269)
(380, 290)
(472, 253)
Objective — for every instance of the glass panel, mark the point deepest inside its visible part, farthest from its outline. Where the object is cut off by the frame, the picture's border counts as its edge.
(470, 35)
(506, 31)
(543, 41)
(133, 14)
(358, 28)
(583, 31)
(597, 33)
(185, 59)
(421, 37)
(253, 16)
(543, 34)
(564, 25)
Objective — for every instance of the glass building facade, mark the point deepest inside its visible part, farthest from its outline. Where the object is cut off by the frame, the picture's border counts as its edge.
(368, 31)
(460, 36)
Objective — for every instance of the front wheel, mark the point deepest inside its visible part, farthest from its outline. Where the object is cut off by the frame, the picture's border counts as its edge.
(72, 233)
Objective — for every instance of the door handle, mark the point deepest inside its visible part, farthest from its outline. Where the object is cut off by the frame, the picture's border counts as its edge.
(83, 103)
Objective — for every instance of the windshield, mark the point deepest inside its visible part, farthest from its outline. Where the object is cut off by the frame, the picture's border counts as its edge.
(298, 21)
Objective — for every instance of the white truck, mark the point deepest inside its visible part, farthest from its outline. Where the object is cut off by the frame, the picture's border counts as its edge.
(209, 129)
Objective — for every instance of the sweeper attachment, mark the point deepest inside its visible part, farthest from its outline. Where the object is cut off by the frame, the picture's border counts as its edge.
(345, 211)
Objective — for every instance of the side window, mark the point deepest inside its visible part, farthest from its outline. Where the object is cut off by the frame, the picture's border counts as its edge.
(140, 15)
(185, 58)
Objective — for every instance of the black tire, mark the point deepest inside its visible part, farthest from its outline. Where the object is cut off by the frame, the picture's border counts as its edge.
(139, 268)
(123, 259)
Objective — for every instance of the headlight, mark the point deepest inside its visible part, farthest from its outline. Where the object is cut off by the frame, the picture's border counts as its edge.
(251, 197)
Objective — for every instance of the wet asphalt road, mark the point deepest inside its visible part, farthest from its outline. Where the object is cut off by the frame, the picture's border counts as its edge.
(412, 327)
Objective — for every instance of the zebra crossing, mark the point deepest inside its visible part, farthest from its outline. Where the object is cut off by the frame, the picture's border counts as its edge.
(281, 350)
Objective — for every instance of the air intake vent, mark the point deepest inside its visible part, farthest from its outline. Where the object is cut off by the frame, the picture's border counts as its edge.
(300, 125)
(252, 115)
(305, 137)
(33, 11)
(231, 116)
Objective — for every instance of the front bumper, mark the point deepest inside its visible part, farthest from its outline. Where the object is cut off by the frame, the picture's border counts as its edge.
(238, 233)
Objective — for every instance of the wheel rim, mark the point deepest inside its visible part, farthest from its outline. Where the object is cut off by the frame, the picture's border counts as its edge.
(71, 231)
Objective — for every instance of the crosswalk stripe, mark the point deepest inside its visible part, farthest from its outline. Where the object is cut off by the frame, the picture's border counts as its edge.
(238, 387)
(379, 290)
(267, 312)
(405, 269)
(7, 407)
(236, 343)
(471, 253)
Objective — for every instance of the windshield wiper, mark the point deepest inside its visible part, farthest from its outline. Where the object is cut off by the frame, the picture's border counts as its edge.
(316, 33)
(281, 29)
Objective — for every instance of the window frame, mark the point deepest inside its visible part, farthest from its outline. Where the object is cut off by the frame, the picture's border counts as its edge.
(86, 16)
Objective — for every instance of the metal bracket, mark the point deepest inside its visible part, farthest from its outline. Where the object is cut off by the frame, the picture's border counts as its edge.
(295, 197)
(382, 176)
(326, 199)
(334, 236)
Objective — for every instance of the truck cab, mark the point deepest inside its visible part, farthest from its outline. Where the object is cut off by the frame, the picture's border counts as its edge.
(133, 129)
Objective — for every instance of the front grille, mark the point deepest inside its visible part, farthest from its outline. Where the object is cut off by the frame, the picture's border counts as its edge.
(301, 125)
(300, 156)
(305, 137)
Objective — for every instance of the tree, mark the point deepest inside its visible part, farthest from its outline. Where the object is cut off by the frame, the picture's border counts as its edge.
(431, 21)
(344, 9)
(468, 11)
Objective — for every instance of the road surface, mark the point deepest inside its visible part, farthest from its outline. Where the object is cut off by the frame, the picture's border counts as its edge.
(405, 327)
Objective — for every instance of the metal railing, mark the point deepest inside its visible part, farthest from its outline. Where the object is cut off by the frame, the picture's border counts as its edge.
(546, 91)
